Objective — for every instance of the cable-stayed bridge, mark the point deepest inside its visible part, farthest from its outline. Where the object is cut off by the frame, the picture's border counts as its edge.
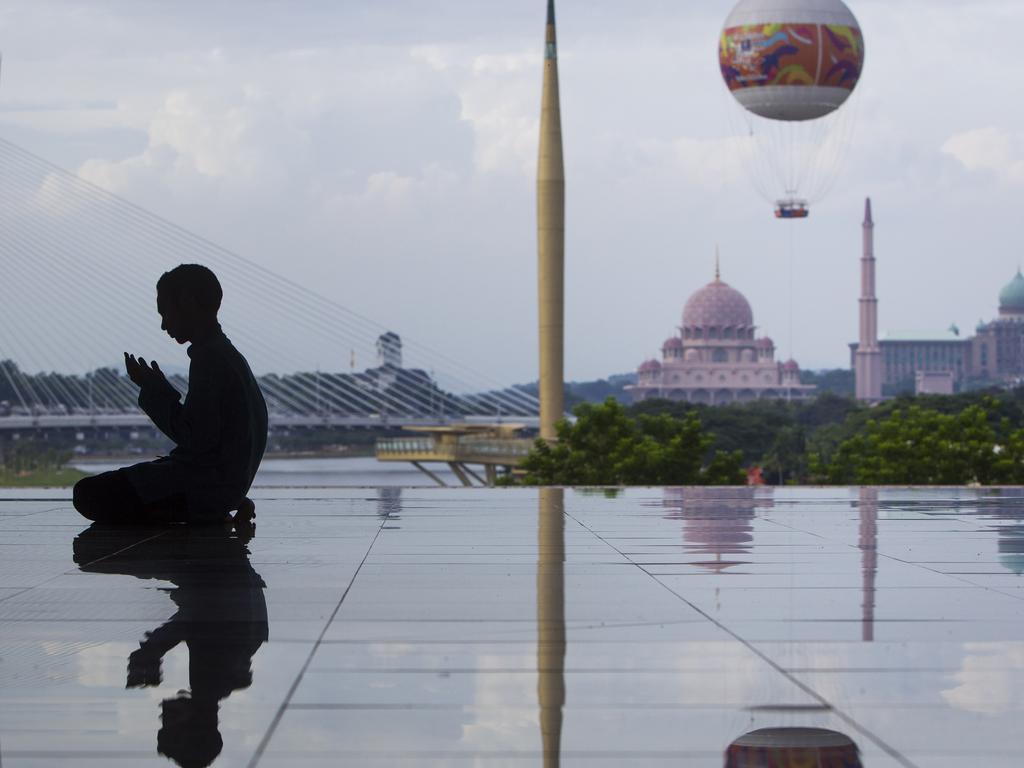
(78, 268)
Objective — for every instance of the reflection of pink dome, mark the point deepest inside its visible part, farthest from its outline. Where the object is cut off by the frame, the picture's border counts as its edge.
(717, 305)
(765, 342)
(674, 343)
(651, 366)
(790, 366)
(716, 522)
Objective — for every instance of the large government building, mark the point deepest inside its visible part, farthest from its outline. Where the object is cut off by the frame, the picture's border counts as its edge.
(717, 357)
(994, 355)
(997, 349)
(939, 362)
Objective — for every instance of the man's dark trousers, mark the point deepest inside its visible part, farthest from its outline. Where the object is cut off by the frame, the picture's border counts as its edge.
(110, 498)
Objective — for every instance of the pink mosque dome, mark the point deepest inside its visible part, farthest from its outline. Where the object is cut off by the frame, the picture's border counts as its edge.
(651, 366)
(717, 305)
(765, 342)
(791, 366)
(673, 343)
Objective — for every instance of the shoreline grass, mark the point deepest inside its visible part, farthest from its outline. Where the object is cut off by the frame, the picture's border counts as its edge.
(62, 477)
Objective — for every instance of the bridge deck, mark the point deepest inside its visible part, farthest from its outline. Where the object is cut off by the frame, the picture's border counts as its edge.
(285, 421)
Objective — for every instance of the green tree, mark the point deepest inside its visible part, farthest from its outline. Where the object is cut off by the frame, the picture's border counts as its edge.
(918, 446)
(725, 468)
(604, 446)
(786, 461)
(666, 451)
(586, 451)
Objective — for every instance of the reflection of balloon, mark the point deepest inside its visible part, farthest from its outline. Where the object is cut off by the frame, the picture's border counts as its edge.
(793, 748)
(791, 62)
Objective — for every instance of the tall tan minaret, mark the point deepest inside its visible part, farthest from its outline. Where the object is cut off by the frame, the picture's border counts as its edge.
(551, 241)
(868, 359)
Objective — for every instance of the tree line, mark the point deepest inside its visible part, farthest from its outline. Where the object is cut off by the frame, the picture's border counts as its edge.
(975, 437)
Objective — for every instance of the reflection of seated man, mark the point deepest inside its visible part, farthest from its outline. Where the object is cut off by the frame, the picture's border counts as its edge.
(220, 431)
(221, 618)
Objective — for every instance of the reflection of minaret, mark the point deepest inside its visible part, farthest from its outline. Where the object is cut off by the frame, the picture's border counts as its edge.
(551, 241)
(716, 521)
(1009, 509)
(551, 620)
(389, 502)
(868, 545)
(868, 359)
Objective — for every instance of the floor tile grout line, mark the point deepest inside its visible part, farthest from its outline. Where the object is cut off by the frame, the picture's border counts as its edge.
(891, 751)
(265, 741)
(895, 559)
(66, 572)
(955, 577)
(62, 573)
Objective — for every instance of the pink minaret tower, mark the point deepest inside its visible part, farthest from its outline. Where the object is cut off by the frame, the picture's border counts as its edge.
(868, 360)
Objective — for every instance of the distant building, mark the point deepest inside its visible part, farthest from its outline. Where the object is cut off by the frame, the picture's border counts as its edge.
(998, 346)
(933, 383)
(716, 358)
(935, 361)
(389, 350)
(907, 353)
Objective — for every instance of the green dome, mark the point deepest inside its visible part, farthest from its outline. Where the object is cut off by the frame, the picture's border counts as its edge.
(1014, 562)
(1012, 296)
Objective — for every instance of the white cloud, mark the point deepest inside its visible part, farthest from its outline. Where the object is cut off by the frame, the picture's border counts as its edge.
(238, 135)
(437, 57)
(497, 93)
(711, 163)
(368, 140)
(991, 679)
(989, 149)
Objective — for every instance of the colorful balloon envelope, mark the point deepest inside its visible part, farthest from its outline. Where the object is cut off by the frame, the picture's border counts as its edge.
(791, 60)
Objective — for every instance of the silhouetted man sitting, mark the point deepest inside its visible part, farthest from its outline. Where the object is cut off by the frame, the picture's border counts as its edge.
(220, 431)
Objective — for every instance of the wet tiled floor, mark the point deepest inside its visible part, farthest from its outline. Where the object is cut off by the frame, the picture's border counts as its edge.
(521, 627)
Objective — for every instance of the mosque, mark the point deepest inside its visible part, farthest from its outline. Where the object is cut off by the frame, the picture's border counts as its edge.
(716, 358)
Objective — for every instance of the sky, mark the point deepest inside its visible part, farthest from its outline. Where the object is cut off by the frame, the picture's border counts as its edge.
(384, 155)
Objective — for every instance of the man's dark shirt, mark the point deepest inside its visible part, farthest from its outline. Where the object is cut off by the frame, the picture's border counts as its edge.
(220, 433)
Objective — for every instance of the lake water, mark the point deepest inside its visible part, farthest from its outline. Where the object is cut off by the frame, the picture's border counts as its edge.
(332, 472)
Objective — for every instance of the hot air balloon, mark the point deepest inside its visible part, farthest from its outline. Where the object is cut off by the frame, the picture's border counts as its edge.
(791, 65)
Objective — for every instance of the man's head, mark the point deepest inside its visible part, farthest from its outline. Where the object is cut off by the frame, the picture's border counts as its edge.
(188, 298)
(189, 733)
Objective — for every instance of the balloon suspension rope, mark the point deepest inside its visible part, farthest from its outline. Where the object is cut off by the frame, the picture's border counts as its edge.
(792, 259)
